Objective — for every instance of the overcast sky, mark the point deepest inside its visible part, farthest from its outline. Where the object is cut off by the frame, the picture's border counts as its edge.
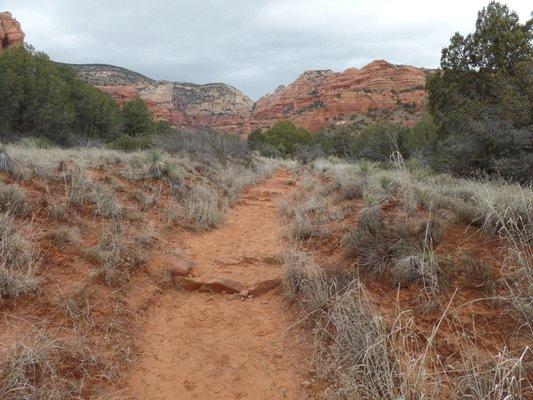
(254, 45)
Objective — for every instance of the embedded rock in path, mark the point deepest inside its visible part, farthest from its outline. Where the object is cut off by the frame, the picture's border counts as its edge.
(265, 286)
(10, 32)
(183, 267)
(224, 285)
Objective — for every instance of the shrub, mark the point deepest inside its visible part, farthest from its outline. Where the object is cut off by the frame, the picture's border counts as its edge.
(128, 143)
(137, 119)
(161, 167)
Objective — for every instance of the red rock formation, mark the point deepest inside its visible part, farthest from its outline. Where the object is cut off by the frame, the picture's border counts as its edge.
(320, 98)
(10, 32)
(315, 100)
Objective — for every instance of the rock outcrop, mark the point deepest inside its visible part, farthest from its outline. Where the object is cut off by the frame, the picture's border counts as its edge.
(10, 32)
(185, 105)
(315, 100)
(320, 98)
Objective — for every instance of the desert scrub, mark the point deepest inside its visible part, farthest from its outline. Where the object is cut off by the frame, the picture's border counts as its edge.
(204, 208)
(119, 258)
(13, 199)
(16, 260)
(161, 166)
(39, 366)
(106, 205)
(64, 236)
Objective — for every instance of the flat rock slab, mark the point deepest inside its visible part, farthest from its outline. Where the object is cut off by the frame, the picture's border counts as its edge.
(265, 286)
(224, 285)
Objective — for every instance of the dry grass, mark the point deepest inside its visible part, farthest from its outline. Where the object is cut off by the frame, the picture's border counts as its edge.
(358, 352)
(40, 367)
(16, 260)
(64, 236)
(13, 199)
(119, 259)
(204, 207)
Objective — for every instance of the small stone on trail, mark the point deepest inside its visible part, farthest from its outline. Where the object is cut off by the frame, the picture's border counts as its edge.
(244, 293)
(306, 384)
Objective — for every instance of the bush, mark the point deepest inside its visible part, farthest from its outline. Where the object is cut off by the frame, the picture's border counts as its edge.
(137, 119)
(285, 136)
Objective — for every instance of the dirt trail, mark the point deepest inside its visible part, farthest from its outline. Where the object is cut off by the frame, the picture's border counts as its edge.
(201, 345)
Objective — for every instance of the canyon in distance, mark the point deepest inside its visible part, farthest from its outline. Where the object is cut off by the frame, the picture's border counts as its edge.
(316, 99)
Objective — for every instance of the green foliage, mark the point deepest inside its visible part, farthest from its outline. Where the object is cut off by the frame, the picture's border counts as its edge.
(137, 118)
(421, 138)
(378, 141)
(128, 143)
(42, 99)
(482, 99)
(284, 136)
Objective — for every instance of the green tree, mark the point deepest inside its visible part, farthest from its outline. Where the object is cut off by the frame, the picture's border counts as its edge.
(284, 136)
(42, 99)
(137, 118)
(34, 96)
(484, 89)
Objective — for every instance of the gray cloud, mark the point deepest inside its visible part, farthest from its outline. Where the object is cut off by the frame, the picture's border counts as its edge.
(254, 45)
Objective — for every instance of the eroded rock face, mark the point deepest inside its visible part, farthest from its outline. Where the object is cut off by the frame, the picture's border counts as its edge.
(185, 105)
(320, 98)
(10, 32)
(315, 100)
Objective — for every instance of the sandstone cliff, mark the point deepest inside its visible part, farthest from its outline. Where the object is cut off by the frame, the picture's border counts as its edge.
(10, 32)
(316, 99)
(320, 98)
(185, 105)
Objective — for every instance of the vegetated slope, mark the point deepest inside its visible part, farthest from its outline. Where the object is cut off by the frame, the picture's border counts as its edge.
(418, 285)
(108, 75)
(185, 105)
(89, 239)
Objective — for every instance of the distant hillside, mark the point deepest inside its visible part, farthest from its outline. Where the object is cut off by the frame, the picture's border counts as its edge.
(185, 105)
(317, 99)
(108, 75)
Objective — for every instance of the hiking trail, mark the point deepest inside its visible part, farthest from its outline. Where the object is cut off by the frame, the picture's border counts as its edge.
(207, 344)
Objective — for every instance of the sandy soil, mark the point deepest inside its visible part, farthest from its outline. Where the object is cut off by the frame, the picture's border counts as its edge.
(201, 345)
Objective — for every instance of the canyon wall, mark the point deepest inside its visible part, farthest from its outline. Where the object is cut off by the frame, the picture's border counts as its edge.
(322, 97)
(317, 99)
(10, 32)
